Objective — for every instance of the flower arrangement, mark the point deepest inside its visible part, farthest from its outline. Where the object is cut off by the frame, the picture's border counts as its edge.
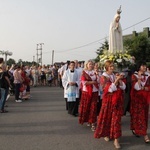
(120, 59)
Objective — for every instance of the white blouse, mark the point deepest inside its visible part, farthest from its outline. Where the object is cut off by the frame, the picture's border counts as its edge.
(138, 86)
(113, 87)
(93, 77)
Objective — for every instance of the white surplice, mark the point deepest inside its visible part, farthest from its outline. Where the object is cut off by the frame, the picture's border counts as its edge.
(70, 92)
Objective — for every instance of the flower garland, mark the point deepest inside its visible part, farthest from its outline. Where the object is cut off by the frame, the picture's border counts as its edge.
(122, 60)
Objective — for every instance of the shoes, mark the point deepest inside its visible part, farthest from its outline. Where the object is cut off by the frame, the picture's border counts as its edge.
(146, 139)
(117, 145)
(75, 115)
(20, 96)
(93, 128)
(7, 97)
(133, 132)
(88, 125)
(25, 97)
(18, 101)
(106, 139)
(4, 111)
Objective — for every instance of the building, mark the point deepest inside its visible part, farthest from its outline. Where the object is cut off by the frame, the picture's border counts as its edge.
(146, 31)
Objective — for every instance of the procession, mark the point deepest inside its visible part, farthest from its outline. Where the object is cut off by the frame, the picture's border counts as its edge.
(107, 97)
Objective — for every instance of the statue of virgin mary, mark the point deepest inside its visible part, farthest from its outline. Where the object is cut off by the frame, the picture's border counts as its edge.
(115, 34)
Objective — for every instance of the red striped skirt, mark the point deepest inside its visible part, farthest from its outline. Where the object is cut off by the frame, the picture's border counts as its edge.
(109, 119)
(88, 108)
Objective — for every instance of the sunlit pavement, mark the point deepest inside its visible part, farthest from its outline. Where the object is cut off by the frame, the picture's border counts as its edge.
(42, 123)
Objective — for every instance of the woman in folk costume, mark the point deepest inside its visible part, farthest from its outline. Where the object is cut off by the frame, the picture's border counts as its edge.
(109, 120)
(140, 102)
(89, 96)
(70, 83)
(115, 34)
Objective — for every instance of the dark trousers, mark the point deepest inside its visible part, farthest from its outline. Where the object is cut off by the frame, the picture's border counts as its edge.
(66, 103)
(17, 90)
(99, 104)
(60, 82)
(127, 97)
(28, 88)
(127, 100)
(73, 107)
(127, 105)
(2, 97)
(5, 96)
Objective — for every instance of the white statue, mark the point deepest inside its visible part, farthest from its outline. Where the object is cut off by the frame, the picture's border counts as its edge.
(115, 34)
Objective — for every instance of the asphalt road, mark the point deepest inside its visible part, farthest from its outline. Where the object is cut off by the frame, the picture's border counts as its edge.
(42, 123)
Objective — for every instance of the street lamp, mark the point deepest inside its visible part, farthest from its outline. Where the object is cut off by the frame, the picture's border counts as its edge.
(6, 53)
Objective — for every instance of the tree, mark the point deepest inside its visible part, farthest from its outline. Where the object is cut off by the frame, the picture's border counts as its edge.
(139, 47)
(10, 61)
(20, 62)
(100, 50)
(27, 63)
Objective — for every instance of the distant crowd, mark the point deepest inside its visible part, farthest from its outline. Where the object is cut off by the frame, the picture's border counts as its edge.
(17, 79)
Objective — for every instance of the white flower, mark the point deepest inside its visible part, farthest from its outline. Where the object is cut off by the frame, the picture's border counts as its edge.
(119, 60)
(126, 59)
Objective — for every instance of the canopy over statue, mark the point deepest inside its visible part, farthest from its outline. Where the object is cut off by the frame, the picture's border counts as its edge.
(115, 34)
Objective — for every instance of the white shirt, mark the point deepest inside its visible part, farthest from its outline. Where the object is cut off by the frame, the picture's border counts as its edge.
(138, 86)
(93, 77)
(113, 87)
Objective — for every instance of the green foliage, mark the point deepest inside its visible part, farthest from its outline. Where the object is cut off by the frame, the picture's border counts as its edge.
(27, 63)
(139, 47)
(21, 62)
(100, 50)
(11, 61)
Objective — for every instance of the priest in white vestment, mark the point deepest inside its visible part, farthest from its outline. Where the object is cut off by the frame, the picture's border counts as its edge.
(70, 81)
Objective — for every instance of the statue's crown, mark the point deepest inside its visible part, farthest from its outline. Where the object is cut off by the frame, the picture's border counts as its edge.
(119, 10)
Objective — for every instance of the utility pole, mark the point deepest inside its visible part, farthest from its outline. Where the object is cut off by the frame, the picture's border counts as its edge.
(41, 51)
(33, 58)
(6, 53)
(39, 54)
(52, 57)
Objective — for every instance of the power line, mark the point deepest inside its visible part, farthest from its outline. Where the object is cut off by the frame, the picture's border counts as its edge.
(100, 39)
(77, 47)
(136, 24)
(83, 45)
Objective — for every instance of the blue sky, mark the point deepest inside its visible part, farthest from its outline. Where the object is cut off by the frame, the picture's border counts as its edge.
(63, 25)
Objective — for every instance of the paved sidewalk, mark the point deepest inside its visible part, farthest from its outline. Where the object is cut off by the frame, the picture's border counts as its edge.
(43, 124)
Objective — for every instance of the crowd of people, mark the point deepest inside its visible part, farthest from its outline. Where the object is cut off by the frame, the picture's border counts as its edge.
(97, 97)
(17, 80)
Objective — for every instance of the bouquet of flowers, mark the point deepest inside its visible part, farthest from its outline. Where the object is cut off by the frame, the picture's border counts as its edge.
(121, 60)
